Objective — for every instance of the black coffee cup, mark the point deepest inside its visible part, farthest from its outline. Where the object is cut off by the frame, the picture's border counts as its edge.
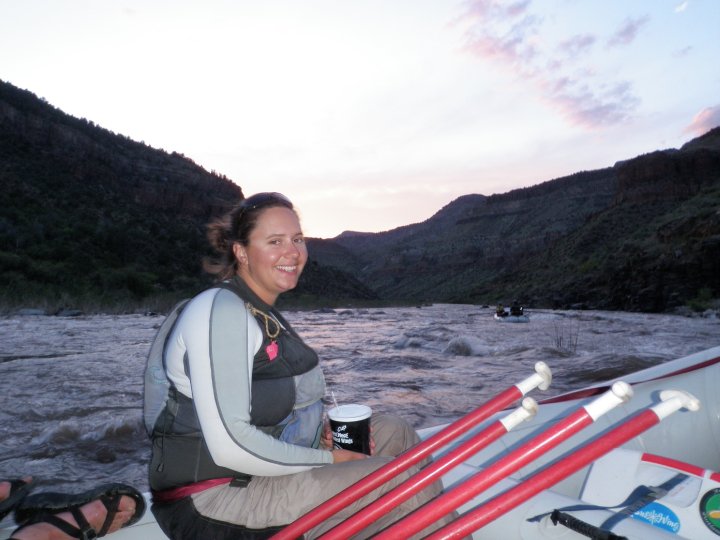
(350, 426)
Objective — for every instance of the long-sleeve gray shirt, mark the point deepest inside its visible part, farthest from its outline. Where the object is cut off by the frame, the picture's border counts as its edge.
(216, 339)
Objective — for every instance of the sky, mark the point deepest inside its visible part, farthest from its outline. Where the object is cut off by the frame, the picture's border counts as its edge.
(373, 114)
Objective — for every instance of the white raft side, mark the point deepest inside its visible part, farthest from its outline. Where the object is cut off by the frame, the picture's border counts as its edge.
(512, 318)
(613, 478)
(611, 482)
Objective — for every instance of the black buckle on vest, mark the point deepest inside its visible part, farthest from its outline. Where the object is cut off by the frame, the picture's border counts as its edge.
(240, 481)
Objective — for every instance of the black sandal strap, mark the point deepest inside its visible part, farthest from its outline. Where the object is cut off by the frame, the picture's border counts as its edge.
(85, 529)
(85, 532)
(112, 504)
(18, 490)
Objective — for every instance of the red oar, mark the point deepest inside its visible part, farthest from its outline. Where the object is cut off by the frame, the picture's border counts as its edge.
(540, 379)
(672, 400)
(431, 473)
(510, 463)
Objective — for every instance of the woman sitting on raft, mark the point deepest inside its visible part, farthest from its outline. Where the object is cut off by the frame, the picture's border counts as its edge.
(240, 449)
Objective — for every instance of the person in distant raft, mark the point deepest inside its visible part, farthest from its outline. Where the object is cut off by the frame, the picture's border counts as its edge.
(239, 448)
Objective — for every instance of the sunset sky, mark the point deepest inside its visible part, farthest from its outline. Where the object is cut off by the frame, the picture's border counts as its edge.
(372, 114)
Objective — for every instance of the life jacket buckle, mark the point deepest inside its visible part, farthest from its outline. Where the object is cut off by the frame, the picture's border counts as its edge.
(240, 481)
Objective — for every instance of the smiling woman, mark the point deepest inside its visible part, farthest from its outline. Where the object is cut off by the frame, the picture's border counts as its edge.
(241, 424)
(277, 240)
(274, 255)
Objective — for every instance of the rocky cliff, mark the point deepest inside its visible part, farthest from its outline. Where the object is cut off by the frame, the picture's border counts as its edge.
(670, 175)
(641, 235)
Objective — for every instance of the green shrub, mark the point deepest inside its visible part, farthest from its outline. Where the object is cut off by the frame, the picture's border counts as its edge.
(702, 301)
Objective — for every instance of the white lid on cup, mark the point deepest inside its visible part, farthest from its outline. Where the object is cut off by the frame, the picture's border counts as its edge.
(351, 412)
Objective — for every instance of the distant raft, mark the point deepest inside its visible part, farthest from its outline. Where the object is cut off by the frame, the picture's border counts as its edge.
(511, 318)
(515, 313)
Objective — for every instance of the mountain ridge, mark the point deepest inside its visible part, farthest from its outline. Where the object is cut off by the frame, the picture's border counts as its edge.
(511, 234)
(95, 219)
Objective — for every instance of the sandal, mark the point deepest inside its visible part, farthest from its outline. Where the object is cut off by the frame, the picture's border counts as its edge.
(18, 490)
(42, 507)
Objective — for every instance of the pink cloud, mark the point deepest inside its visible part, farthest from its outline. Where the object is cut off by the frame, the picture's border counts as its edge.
(628, 31)
(510, 49)
(576, 45)
(488, 10)
(500, 31)
(591, 108)
(505, 34)
(704, 121)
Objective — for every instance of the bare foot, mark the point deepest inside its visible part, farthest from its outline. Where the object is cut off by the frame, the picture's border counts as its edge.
(4, 490)
(94, 512)
(5, 487)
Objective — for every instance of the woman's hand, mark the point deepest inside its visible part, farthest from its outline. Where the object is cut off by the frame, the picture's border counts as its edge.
(326, 441)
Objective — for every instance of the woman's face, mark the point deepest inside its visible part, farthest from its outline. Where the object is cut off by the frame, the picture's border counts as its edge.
(275, 256)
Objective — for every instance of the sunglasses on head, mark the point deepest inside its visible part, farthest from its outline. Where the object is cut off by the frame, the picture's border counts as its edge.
(263, 199)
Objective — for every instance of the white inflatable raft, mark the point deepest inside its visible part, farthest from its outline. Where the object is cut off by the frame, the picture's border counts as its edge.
(511, 318)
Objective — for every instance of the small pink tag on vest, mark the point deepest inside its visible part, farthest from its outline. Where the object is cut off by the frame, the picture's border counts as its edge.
(272, 350)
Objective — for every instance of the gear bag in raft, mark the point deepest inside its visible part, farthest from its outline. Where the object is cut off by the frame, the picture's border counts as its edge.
(156, 381)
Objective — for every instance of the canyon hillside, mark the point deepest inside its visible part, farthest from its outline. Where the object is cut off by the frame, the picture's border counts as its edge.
(93, 220)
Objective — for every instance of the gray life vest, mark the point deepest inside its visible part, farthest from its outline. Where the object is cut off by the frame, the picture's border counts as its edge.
(170, 417)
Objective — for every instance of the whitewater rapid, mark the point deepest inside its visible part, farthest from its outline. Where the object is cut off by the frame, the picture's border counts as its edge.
(72, 386)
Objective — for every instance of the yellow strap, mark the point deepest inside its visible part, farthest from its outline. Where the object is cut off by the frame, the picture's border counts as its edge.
(255, 311)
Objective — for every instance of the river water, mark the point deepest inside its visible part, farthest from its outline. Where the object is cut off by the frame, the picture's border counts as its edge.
(72, 387)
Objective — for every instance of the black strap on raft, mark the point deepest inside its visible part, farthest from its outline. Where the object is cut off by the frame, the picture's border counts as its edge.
(640, 496)
(579, 526)
(643, 495)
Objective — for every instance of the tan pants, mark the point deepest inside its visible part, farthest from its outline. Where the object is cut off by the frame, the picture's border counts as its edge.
(278, 500)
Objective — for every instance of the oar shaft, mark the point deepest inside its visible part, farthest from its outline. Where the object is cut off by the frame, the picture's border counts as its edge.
(415, 454)
(450, 500)
(671, 402)
(507, 465)
(410, 488)
(506, 501)
(432, 473)
(398, 465)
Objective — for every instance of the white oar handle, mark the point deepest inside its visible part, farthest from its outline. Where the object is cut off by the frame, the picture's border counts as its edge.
(528, 408)
(540, 379)
(674, 400)
(620, 392)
